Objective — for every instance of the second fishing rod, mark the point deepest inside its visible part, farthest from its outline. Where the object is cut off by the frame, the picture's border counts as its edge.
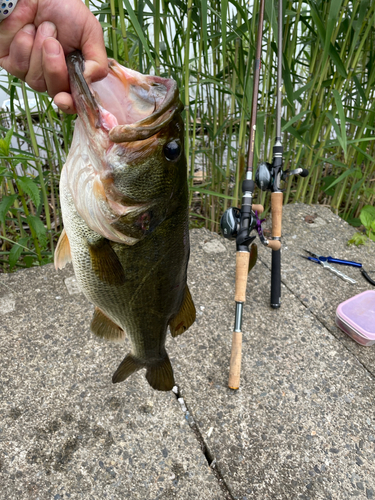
(268, 176)
(238, 223)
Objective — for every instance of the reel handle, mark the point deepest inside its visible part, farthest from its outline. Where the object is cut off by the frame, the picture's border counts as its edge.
(257, 208)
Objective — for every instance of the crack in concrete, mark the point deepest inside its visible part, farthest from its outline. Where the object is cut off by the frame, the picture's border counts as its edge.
(211, 460)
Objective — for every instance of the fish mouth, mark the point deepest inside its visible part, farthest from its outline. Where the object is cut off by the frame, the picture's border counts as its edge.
(129, 106)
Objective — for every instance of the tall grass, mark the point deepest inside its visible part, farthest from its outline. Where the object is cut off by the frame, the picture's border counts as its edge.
(208, 48)
(32, 153)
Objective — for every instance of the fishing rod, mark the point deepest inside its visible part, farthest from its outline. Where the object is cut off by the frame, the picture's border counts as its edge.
(269, 175)
(238, 223)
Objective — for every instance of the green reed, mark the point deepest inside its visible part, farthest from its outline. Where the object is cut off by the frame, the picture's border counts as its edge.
(32, 152)
(208, 48)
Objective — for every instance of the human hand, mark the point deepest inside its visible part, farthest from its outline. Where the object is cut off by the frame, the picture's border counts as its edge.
(37, 36)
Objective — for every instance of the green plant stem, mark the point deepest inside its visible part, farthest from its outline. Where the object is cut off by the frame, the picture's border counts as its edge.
(37, 160)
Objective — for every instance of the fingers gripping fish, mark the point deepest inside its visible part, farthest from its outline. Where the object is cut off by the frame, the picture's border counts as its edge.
(124, 200)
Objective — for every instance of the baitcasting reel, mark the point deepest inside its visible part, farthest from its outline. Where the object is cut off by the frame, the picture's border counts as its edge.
(230, 223)
(265, 175)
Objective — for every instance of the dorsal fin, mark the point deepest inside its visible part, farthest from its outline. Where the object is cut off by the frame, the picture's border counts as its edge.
(62, 251)
(185, 316)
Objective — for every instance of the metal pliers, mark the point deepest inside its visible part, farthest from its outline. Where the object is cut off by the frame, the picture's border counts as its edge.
(345, 263)
(324, 261)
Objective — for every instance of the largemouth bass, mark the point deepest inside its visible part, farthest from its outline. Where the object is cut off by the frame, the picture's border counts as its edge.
(124, 200)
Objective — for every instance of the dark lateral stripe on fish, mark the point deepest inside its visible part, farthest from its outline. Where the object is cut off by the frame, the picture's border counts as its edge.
(185, 316)
(105, 263)
(104, 328)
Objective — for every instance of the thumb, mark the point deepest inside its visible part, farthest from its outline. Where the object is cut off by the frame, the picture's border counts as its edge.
(93, 51)
(95, 70)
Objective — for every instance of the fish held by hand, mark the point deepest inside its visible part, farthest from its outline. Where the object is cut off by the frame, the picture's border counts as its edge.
(124, 200)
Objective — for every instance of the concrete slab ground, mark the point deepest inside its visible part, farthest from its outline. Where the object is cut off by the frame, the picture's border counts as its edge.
(65, 430)
(302, 424)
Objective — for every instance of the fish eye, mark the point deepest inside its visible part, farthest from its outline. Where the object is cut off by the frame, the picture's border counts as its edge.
(172, 150)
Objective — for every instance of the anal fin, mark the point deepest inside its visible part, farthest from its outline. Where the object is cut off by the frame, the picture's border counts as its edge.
(62, 251)
(185, 316)
(106, 264)
(105, 328)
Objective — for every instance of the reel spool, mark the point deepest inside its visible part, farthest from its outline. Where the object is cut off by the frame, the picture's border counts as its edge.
(264, 177)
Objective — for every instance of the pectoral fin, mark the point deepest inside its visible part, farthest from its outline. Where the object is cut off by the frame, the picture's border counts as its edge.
(105, 328)
(62, 251)
(185, 316)
(105, 263)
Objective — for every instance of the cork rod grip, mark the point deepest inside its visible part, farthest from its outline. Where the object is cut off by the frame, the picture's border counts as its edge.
(235, 361)
(242, 270)
(277, 213)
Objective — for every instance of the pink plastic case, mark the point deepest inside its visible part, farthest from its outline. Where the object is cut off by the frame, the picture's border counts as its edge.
(356, 317)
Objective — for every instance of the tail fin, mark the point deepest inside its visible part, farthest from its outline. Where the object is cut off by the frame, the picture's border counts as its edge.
(159, 375)
(129, 365)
